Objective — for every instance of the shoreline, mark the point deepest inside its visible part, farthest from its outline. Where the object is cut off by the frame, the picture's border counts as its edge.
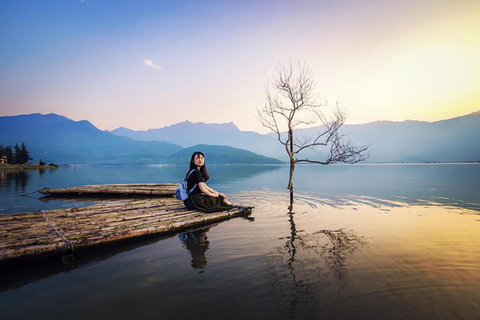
(26, 166)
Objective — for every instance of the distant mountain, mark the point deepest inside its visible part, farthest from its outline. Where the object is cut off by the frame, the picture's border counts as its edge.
(221, 155)
(55, 138)
(454, 139)
(187, 134)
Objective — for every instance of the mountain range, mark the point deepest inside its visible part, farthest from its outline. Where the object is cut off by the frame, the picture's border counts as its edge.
(452, 140)
(187, 134)
(55, 138)
(455, 139)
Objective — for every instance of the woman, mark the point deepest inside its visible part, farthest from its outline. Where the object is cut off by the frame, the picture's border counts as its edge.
(202, 197)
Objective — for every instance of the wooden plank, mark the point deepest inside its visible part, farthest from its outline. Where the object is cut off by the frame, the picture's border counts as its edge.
(150, 189)
(52, 233)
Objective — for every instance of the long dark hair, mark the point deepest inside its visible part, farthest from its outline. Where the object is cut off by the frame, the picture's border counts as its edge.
(203, 169)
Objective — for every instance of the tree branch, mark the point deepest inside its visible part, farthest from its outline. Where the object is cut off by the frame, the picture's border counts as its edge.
(294, 105)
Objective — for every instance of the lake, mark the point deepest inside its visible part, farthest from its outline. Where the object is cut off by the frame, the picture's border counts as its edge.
(396, 241)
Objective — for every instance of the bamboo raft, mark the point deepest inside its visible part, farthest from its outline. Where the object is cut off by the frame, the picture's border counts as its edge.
(145, 189)
(57, 233)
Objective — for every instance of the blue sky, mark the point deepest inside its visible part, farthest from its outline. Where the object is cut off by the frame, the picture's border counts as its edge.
(149, 64)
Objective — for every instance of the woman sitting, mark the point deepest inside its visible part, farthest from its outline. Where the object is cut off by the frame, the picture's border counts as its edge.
(202, 197)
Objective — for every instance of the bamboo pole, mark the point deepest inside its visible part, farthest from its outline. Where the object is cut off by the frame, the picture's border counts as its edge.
(163, 189)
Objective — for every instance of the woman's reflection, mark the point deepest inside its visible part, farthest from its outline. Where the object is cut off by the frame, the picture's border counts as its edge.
(197, 243)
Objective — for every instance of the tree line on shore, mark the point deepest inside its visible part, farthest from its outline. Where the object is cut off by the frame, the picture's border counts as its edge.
(15, 155)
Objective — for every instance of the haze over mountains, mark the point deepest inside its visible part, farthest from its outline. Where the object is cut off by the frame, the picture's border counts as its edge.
(55, 138)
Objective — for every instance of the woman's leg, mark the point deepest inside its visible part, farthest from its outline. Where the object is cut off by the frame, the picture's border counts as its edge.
(225, 201)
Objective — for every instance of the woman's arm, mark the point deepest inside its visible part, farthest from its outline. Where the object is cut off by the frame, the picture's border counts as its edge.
(208, 191)
(212, 193)
(216, 192)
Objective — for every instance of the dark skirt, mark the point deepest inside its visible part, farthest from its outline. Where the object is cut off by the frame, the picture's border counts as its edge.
(205, 203)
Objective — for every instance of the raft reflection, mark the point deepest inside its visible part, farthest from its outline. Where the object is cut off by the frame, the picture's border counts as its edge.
(19, 274)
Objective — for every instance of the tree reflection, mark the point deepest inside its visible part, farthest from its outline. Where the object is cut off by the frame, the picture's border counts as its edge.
(341, 245)
(197, 243)
(306, 281)
(17, 179)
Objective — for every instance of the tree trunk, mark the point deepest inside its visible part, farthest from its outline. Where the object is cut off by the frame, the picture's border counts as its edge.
(290, 207)
(292, 166)
(290, 179)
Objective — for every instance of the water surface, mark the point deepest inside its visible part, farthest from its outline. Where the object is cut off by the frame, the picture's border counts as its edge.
(362, 242)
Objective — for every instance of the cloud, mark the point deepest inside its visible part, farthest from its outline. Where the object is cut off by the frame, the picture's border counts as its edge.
(149, 63)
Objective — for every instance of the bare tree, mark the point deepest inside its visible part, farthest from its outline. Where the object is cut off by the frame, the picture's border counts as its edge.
(296, 104)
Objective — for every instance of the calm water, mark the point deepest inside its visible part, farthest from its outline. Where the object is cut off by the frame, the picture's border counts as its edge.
(364, 242)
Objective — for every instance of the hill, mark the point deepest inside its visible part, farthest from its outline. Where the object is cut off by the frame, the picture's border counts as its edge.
(221, 155)
(55, 138)
(187, 134)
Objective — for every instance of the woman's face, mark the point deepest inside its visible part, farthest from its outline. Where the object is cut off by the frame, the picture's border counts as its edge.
(199, 160)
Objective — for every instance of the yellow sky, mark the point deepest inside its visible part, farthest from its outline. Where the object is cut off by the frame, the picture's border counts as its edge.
(430, 73)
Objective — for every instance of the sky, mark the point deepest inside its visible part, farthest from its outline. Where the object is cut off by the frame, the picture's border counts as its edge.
(150, 64)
